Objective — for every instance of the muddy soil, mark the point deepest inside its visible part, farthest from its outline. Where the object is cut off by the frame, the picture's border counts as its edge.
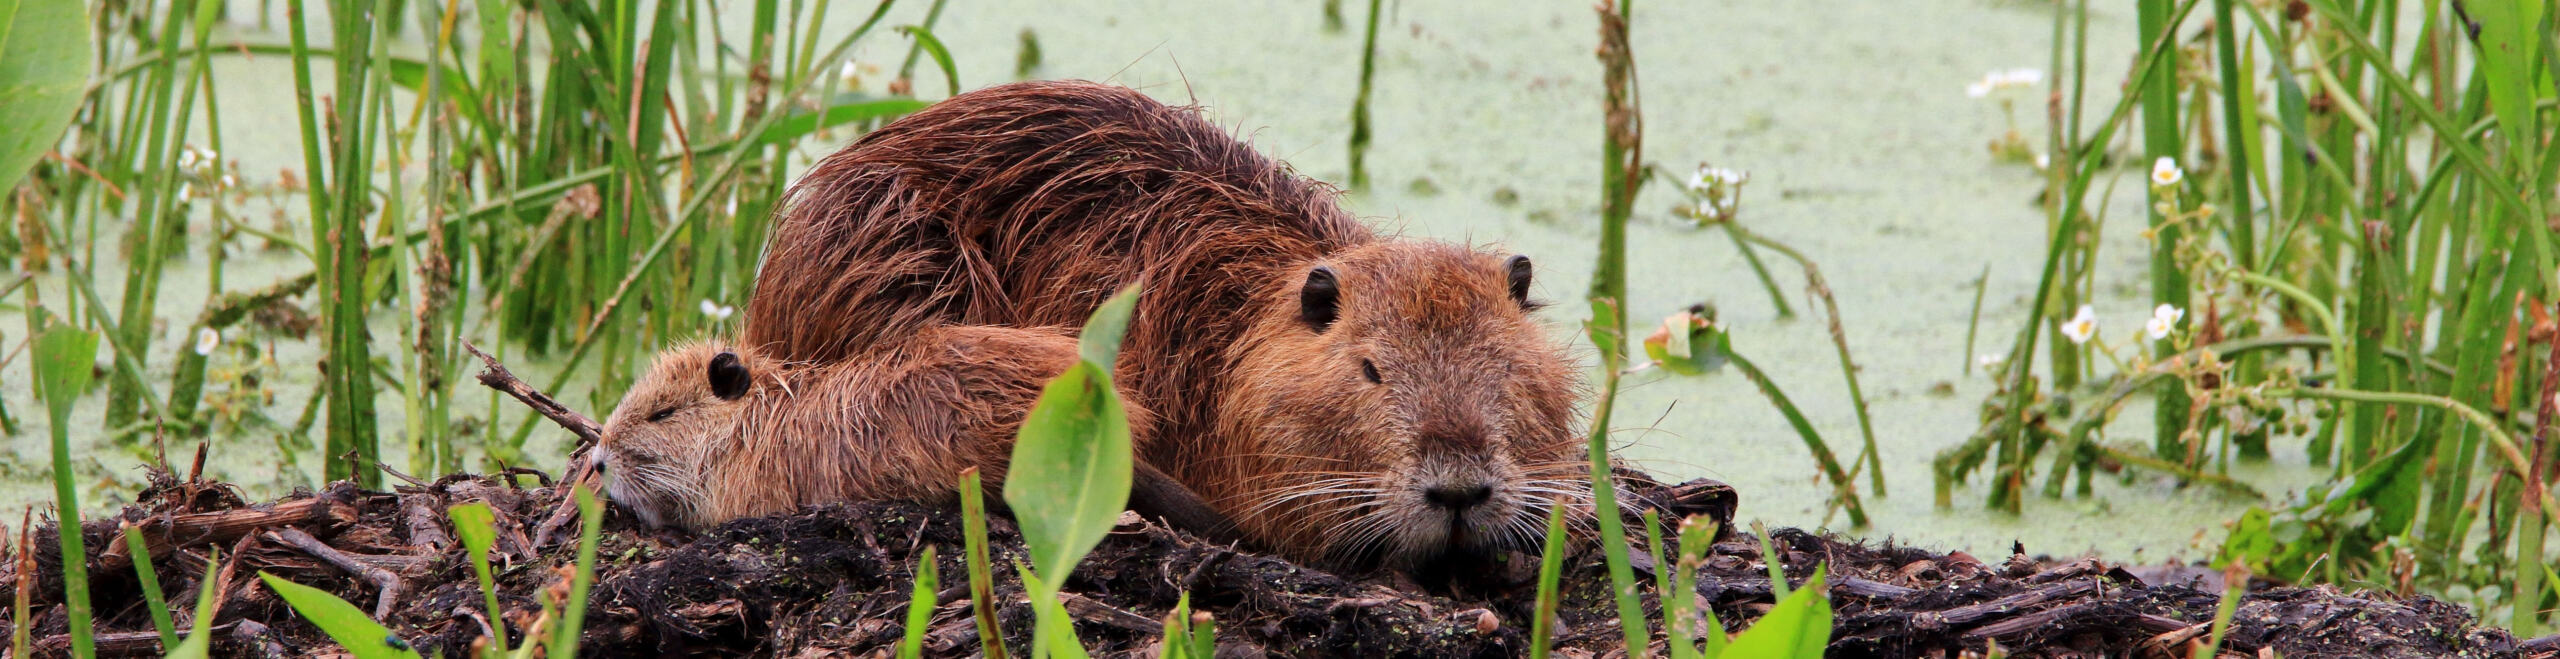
(835, 580)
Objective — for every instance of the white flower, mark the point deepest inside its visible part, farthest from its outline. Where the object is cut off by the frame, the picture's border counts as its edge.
(2163, 319)
(228, 182)
(851, 73)
(187, 158)
(1999, 80)
(186, 190)
(2044, 160)
(2165, 172)
(2082, 326)
(1707, 178)
(206, 340)
(717, 311)
(1988, 361)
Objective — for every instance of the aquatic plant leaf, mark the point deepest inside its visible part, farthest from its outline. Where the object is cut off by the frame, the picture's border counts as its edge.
(44, 72)
(1798, 628)
(1071, 462)
(343, 622)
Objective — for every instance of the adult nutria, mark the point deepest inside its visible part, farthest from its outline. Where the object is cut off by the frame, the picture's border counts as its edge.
(1337, 394)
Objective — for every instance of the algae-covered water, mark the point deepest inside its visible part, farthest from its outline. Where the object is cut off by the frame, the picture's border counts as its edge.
(1852, 118)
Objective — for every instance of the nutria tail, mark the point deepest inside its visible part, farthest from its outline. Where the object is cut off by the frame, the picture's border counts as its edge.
(1024, 205)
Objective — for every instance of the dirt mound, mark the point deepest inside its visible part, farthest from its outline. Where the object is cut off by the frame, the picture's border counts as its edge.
(835, 580)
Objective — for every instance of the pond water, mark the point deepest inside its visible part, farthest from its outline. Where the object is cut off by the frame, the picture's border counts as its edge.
(1864, 151)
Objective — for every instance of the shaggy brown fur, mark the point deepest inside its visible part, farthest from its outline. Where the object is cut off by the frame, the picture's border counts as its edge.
(1324, 423)
(702, 438)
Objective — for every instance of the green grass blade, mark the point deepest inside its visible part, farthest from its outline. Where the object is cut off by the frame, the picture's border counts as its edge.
(920, 603)
(140, 549)
(477, 526)
(941, 56)
(199, 643)
(64, 359)
(1542, 629)
(564, 641)
(343, 622)
(982, 588)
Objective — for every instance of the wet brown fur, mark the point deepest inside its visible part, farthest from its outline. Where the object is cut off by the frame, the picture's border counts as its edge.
(1025, 205)
(899, 421)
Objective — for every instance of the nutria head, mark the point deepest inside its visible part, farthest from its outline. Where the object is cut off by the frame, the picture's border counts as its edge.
(658, 438)
(1406, 405)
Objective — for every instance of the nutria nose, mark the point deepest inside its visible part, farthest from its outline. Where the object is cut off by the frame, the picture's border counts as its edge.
(1458, 497)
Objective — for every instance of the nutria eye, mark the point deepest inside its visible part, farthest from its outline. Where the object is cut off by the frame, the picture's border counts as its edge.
(661, 415)
(1370, 371)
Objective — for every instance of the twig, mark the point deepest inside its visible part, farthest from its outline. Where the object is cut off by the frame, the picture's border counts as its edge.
(581, 460)
(390, 584)
(497, 377)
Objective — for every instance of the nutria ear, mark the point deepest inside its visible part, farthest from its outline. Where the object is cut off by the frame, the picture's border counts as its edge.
(1319, 302)
(729, 376)
(1518, 266)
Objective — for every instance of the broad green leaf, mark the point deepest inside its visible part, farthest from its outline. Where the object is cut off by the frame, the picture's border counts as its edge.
(343, 622)
(1071, 462)
(1798, 628)
(44, 72)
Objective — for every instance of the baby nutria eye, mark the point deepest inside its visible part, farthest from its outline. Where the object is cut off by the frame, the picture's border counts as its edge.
(1370, 371)
(661, 415)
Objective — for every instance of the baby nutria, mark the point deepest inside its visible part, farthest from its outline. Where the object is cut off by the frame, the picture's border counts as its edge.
(1335, 394)
(714, 432)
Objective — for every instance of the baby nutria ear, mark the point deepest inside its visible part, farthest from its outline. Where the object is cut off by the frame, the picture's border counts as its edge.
(729, 377)
(1319, 301)
(1518, 266)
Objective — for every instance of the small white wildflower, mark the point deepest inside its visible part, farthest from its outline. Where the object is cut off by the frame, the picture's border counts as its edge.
(850, 73)
(1988, 361)
(2082, 326)
(732, 207)
(2165, 172)
(717, 311)
(2022, 77)
(1977, 89)
(228, 183)
(186, 191)
(187, 158)
(206, 340)
(2044, 160)
(2163, 319)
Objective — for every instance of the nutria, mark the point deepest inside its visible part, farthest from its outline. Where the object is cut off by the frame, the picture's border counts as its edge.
(714, 431)
(1337, 394)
